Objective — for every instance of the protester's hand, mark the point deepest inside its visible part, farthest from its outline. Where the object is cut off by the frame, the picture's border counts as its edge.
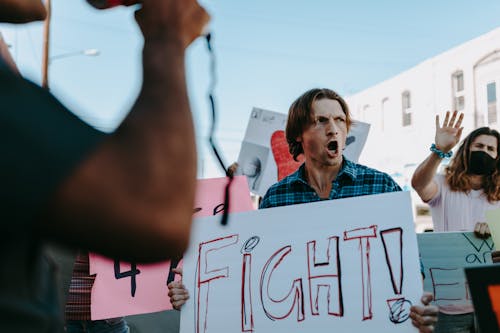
(482, 230)
(495, 257)
(177, 21)
(424, 316)
(231, 170)
(177, 291)
(448, 135)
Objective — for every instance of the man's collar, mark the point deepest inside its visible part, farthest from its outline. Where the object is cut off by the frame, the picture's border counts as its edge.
(348, 169)
(299, 175)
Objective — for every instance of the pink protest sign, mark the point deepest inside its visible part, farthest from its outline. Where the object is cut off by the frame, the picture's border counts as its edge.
(122, 289)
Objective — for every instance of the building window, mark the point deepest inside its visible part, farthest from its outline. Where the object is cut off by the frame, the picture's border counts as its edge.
(459, 103)
(365, 112)
(385, 103)
(406, 108)
(458, 79)
(491, 95)
(458, 91)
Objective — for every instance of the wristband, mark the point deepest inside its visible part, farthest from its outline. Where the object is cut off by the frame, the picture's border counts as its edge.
(439, 153)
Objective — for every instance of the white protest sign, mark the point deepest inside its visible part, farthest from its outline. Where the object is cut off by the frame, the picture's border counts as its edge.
(347, 265)
(444, 256)
(262, 149)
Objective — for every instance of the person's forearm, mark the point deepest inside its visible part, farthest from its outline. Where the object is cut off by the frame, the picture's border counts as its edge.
(160, 142)
(425, 172)
(133, 197)
(162, 120)
(139, 185)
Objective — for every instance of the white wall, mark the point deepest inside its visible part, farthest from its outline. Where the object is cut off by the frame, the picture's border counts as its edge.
(391, 146)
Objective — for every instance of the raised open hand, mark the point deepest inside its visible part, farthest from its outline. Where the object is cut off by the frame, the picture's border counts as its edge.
(448, 135)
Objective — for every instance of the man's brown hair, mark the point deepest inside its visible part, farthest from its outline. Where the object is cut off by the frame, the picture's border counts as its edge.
(457, 173)
(300, 116)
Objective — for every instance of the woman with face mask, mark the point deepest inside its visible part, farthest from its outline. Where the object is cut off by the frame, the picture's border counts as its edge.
(459, 198)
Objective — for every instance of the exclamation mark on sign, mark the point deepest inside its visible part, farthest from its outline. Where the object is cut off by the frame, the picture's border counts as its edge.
(399, 307)
(392, 239)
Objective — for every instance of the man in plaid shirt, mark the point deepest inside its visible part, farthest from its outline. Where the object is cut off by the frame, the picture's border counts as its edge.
(317, 127)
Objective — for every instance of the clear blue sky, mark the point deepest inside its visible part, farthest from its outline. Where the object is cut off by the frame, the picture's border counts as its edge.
(268, 53)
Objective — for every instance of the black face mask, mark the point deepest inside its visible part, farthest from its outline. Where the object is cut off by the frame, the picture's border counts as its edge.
(481, 163)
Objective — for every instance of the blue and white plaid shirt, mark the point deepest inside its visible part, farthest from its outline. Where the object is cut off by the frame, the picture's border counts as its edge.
(352, 180)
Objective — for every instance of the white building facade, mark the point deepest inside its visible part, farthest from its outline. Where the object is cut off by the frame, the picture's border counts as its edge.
(402, 110)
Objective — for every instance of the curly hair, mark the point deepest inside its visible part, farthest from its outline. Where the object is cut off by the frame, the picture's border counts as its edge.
(300, 116)
(457, 173)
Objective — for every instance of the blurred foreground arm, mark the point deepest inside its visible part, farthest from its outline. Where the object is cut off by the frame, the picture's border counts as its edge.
(133, 197)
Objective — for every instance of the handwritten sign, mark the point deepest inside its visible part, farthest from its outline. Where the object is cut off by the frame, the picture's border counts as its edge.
(264, 157)
(348, 265)
(122, 289)
(444, 256)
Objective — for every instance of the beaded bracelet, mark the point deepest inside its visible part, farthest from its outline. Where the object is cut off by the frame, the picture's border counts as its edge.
(439, 153)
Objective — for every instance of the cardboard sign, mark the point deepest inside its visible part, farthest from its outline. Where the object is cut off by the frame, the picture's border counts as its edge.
(264, 157)
(444, 256)
(122, 289)
(347, 265)
(484, 283)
